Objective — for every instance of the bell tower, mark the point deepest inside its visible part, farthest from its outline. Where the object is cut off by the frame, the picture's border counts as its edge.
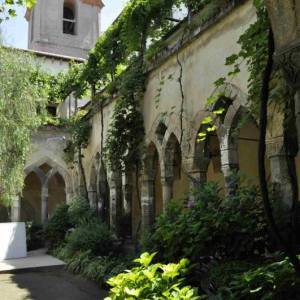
(64, 27)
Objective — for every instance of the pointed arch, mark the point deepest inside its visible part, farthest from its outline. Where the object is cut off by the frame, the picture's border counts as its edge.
(152, 186)
(62, 170)
(173, 174)
(31, 198)
(55, 186)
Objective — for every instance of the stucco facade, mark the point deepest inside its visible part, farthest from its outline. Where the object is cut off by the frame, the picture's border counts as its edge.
(172, 165)
(46, 27)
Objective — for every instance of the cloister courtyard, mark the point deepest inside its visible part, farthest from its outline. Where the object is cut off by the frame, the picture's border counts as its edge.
(153, 158)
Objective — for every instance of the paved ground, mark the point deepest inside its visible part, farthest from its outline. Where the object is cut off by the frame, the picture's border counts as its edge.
(35, 259)
(47, 285)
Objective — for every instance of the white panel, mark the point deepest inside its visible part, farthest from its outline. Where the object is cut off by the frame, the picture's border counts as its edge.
(12, 241)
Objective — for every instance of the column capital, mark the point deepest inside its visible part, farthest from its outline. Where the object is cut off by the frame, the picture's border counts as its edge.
(275, 147)
(288, 58)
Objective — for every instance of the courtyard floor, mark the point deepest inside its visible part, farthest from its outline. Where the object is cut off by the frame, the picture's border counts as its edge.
(47, 285)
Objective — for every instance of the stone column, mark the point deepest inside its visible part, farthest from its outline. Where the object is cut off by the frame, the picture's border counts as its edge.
(279, 170)
(167, 190)
(148, 202)
(92, 194)
(16, 209)
(127, 186)
(297, 114)
(113, 218)
(44, 206)
(197, 174)
(229, 163)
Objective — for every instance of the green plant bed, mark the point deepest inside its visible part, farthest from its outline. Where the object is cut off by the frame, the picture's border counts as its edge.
(58, 226)
(96, 268)
(229, 228)
(152, 281)
(94, 236)
(273, 279)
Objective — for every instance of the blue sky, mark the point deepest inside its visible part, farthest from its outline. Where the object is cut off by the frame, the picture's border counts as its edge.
(15, 31)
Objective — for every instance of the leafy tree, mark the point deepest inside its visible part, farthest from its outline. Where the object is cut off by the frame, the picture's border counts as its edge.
(22, 100)
(8, 7)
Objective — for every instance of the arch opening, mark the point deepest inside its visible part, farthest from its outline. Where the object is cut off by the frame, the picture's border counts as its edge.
(244, 137)
(174, 170)
(31, 199)
(160, 132)
(212, 153)
(56, 192)
(153, 172)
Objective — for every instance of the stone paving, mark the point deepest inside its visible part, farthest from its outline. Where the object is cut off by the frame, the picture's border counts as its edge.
(42, 277)
(35, 260)
(47, 285)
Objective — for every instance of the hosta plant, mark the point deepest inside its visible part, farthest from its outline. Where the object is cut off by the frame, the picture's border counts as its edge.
(152, 281)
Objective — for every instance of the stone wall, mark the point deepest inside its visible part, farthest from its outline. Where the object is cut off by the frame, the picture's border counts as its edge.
(129, 201)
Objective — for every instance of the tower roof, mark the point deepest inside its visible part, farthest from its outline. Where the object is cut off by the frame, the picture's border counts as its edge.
(94, 2)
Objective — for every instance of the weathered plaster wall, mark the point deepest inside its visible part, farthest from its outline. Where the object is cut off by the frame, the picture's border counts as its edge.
(203, 62)
(181, 163)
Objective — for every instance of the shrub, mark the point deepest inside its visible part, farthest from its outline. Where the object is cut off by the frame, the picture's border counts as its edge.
(276, 281)
(79, 211)
(34, 236)
(152, 281)
(93, 236)
(232, 227)
(58, 226)
(101, 268)
(96, 268)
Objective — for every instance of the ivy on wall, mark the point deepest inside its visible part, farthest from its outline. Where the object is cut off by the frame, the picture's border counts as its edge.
(253, 54)
(119, 62)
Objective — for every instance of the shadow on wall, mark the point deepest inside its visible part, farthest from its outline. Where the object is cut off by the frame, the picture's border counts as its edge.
(4, 214)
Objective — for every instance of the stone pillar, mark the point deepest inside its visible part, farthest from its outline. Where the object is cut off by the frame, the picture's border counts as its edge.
(197, 174)
(127, 186)
(196, 177)
(297, 114)
(113, 218)
(279, 170)
(16, 209)
(44, 206)
(229, 163)
(92, 194)
(167, 190)
(148, 202)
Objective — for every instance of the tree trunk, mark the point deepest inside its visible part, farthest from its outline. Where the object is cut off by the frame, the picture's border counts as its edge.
(264, 97)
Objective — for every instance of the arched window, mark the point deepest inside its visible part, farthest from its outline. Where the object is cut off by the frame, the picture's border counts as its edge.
(69, 20)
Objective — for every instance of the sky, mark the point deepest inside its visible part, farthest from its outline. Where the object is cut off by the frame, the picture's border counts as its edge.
(15, 31)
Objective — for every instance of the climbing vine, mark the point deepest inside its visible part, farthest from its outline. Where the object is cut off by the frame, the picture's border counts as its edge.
(253, 54)
(265, 88)
(118, 64)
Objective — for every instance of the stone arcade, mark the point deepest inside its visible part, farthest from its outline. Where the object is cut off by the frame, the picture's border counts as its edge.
(170, 168)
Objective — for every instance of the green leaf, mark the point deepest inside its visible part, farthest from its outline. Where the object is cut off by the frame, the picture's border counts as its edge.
(207, 120)
(219, 111)
(212, 128)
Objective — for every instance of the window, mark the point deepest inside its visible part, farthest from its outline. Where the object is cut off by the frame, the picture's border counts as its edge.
(69, 21)
(51, 108)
